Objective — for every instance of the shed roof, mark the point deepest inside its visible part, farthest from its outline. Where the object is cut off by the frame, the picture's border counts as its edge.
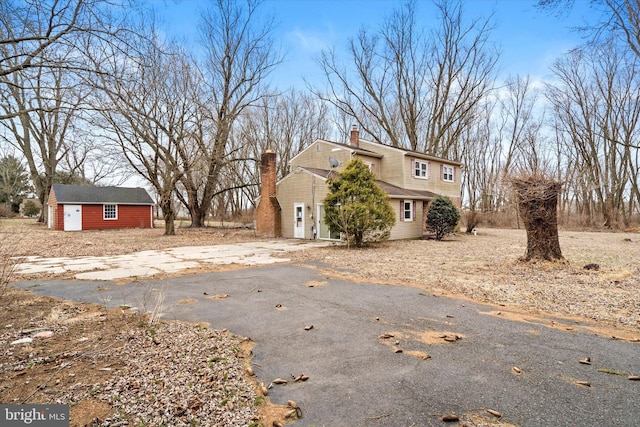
(90, 195)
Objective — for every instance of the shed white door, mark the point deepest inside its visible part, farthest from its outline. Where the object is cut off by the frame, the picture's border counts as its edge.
(72, 217)
(298, 218)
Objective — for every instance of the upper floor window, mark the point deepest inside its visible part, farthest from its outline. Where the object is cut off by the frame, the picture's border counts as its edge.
(447, 173)
(110, 211)
(420, 169)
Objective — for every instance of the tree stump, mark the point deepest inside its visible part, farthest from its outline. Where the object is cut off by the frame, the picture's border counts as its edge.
(537, 202)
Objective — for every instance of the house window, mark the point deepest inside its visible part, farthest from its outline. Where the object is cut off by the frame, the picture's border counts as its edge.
(447, 173)
(420, 169)
(110, 211)
(407, 210)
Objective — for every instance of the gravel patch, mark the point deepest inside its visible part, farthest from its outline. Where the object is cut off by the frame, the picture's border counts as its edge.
(115, 368)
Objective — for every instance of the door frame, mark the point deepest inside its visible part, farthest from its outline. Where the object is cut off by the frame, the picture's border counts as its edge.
(71, 222)
(298, 220)
(49, 216)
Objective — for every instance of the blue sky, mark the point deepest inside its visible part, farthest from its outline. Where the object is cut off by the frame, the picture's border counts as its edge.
(530, 39)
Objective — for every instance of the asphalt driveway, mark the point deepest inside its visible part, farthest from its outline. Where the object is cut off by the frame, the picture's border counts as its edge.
(457, 357)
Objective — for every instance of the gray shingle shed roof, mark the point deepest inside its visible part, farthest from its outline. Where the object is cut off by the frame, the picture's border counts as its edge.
(89, 195)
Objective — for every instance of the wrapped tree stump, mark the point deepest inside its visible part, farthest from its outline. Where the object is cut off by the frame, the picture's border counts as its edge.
(537, 202)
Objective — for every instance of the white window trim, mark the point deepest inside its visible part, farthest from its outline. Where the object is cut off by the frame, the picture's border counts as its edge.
(404, 211)
(445, 175)
(427, 169)
(104, 212)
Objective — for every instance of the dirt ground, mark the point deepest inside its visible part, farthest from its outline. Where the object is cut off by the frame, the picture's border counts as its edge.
(86, 349)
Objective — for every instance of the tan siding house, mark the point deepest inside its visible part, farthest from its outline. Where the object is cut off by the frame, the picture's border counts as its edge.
(411, 180)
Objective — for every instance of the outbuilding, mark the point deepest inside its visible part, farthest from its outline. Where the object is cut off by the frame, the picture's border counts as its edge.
(85, 207)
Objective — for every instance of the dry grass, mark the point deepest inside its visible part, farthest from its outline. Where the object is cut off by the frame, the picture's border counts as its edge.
(485, 268)
(37, 239)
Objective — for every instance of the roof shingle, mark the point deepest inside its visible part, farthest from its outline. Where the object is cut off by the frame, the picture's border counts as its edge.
(90, 195)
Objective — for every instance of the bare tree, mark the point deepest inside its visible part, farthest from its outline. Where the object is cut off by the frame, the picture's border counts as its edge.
(43, 65)
(409, 88)
(34, 32)
(285, 124)
(520, 125)
(29, 28)
(620, 18)
(597, 109)
(147, 112)
(240, 55)
(481, 156)
(626, 21)
(503, 139)
(43, 107)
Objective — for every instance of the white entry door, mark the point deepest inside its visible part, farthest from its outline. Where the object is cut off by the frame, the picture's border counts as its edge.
(72, 217)
(298, 218)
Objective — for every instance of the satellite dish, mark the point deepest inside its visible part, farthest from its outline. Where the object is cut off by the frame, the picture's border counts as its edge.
(333, 162)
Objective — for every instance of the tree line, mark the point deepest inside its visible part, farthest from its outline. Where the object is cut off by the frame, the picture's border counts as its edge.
(94, 92)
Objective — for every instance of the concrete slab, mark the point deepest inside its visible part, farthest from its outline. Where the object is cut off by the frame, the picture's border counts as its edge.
(174, 267)
(85, 267)
(118, 273)
(150, 262)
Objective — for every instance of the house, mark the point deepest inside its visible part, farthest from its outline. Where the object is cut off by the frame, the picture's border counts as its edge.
(293, 206)
(84, 207)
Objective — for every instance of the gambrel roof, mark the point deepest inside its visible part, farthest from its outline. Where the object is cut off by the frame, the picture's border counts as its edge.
(90, 195)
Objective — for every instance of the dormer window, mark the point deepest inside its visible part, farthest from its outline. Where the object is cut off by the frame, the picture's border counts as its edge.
(420, 169)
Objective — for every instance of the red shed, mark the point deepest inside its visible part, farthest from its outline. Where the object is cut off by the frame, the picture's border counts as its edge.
(84, 207)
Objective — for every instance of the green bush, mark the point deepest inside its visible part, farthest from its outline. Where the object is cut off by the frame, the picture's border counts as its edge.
(30, 208)
(442, 217)
(357, 207)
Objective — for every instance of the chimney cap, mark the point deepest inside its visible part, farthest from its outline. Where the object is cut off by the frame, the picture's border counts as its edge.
(268, 151)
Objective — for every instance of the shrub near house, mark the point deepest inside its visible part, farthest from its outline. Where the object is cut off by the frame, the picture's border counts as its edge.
(442, 217)
(357, 207)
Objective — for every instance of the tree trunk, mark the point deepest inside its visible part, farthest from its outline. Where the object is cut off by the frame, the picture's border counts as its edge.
(169, 216)
(169, 224)
(537, 200)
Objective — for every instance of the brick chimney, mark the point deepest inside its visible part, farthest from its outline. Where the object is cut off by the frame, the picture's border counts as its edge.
(268, 211)
(355, 136)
